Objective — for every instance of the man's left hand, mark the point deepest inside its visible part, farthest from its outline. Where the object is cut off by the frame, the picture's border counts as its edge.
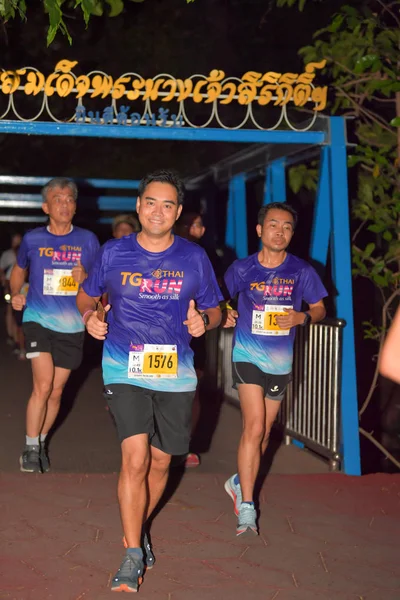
(291, 319)
(78, 272)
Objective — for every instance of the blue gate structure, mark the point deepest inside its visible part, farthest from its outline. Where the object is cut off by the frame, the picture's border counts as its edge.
(273, 149)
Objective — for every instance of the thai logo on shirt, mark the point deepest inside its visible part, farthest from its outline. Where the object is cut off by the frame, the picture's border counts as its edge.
(277, 287)
(65, 254)
(163, 284)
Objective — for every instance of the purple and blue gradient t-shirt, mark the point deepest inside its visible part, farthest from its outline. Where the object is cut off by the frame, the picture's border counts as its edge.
(147, 343)
(51, 299)
(263, 294)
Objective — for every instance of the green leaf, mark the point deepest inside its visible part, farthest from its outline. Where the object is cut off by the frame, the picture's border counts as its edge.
(380, 281)
(336, 23)
(117, 6)
(296, 178)
(395, 122)
(349, 10)
(376, 228)
(369, 249)
(387, 236)
(21, 7)
(365, 63)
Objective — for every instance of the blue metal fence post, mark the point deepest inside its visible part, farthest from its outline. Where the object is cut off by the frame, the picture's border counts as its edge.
(230, 218)
(275, 182)
(267, 199)
(341, 265)
(321, 228)
(278, 181)
(239, 201)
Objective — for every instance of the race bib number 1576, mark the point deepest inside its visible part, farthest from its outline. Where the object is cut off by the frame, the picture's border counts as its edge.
(152, 360)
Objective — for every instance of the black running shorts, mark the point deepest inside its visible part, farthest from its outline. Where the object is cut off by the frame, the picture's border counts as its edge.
(66, 349)
(274, 386)
(165, 416)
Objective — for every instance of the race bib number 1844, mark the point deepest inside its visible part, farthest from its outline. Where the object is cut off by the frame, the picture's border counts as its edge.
(59, 282)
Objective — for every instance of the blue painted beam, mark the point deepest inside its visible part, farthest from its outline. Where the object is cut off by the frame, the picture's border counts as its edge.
(248, 136)
(239, 200)
(42, 219)
(278, 180)
(275, 182)
(341, 266)
(230, 231)
(23, 218)
(22, 201)
(122, 184)
(321, 228)
(267, 198)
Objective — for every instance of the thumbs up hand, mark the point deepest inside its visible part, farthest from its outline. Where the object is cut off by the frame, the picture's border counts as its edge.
(96, 326)
(78, 272)
(194, 322)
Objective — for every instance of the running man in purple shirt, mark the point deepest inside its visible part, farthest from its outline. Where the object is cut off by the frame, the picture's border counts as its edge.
(162, 291)
(271, 286)
(58, 257)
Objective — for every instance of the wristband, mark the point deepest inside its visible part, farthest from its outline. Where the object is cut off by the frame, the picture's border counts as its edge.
(84, 315)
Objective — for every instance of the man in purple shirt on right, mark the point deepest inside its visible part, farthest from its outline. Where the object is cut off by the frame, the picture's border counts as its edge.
(271, 286)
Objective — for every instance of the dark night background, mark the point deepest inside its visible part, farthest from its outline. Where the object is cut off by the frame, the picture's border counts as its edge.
(169, 36)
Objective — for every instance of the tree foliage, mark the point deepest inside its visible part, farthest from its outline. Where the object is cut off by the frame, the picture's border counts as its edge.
(57, 10)
(361, 45)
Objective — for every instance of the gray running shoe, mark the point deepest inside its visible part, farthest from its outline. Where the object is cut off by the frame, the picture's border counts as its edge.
(246, 519)
(44, 458)
(130, 574)
(149, 558)
(235, 492)
(29, 461)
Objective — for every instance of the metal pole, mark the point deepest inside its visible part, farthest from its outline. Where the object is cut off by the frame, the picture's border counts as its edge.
(322, 216)
(278, 181)
(341, 267)
(240, 224)
(230, 218)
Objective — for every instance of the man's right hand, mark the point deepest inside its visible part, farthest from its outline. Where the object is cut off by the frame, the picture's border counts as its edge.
(229, 317)
(97, 329)
(18, 301)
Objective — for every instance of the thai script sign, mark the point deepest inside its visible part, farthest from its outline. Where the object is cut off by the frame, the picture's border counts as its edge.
(252, 87)
(125, 117)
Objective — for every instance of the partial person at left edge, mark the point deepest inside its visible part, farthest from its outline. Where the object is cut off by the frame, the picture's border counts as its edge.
(58, 257)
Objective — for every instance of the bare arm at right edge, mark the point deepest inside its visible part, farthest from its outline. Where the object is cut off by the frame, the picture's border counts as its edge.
(87, 307)
(389, 365)
(17, 280)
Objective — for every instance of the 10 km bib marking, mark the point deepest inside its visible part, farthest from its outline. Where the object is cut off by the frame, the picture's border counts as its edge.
(264, 320)
(59, 282)
(152, 360)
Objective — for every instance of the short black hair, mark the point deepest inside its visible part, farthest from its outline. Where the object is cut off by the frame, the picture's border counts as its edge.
(262, 213)
(163, 176)
(61, 182)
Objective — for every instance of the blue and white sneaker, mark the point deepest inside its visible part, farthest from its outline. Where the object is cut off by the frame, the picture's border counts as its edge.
(247, 519)
(235, 492)
(130, 574)
(149, 558)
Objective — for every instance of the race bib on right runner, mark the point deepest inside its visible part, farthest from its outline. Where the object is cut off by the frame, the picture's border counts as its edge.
(59, 282)
(264, 319)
